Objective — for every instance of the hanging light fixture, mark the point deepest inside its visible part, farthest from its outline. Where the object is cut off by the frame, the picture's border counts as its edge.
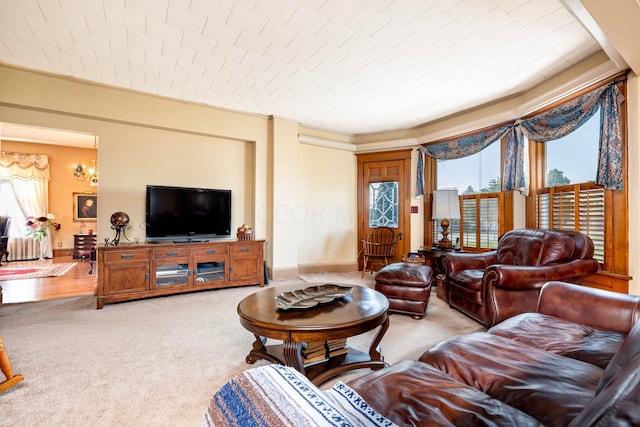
(83, 173)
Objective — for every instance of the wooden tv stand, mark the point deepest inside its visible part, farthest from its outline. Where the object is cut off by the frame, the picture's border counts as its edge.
(133, 271)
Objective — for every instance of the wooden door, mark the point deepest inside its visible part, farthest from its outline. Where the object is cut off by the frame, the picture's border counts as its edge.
(384, 198)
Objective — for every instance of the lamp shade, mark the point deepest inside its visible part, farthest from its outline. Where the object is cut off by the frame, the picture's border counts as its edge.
(446, 204)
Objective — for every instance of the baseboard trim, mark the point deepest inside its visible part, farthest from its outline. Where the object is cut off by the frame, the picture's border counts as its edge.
(328, 268)
(294, 272)
(60, 253)
(284, 273)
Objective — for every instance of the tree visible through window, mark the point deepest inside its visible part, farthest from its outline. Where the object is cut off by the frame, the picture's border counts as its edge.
(570, 200)
(475, 175)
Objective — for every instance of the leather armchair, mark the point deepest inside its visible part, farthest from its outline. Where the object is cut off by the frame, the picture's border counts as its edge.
(5, 222)
(496, 285)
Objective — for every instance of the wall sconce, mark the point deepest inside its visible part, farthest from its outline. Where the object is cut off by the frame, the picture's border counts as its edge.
(82, 173)
(446, 206)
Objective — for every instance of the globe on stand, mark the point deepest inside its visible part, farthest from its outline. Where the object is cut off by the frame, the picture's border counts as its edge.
(119, 222)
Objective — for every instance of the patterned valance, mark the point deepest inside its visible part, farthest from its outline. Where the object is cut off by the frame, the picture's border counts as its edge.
(24, 166)
(552, 124)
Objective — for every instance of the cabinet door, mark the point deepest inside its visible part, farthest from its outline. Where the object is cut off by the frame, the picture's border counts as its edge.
(126, 272)
(171, 268)
(211, 265)
(247, 262)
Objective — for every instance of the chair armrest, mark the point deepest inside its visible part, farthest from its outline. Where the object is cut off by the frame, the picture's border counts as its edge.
(521, 277)
(454, 261)
(607, 310)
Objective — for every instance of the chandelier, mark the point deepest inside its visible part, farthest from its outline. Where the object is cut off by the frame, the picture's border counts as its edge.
(83, 173)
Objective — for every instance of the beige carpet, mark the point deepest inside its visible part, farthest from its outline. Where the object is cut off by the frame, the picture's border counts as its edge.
(157, 362)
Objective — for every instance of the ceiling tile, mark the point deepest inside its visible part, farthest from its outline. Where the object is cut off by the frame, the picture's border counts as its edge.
(357, 66)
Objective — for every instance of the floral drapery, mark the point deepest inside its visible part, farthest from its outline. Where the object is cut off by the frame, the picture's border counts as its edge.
(552, 124)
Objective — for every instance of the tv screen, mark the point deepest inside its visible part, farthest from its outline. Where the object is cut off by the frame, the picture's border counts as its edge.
(180, 213)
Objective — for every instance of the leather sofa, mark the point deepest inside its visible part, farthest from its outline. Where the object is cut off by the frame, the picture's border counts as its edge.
(493, 286)
(571, 364)
(574, 364)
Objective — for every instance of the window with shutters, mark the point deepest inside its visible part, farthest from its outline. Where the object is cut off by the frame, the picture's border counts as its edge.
(481, 226)
(569, 199)
(579, 207)
(478, 179)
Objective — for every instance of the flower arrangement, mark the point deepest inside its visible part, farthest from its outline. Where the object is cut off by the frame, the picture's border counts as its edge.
(37, 226)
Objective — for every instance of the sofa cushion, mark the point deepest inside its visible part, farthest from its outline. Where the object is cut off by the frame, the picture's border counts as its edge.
(618, 404)
(415, 393)
(470, 279)
(630, 348)
(562, 337)
(551, 388)
(406, 274)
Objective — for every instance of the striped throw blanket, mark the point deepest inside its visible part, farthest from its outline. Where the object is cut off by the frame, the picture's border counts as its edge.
(275, 395)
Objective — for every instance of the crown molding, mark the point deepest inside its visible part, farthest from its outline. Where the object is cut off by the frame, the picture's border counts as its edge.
(326, 143)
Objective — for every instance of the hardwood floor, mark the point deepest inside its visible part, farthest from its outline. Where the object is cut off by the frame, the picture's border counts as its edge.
(75, 282)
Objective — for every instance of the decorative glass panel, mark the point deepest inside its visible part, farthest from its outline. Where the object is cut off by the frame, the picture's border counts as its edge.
(383, 204)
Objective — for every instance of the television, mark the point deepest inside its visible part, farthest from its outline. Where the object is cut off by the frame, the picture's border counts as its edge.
(186, 214)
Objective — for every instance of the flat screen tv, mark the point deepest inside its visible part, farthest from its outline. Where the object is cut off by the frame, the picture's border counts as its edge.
(187, 214)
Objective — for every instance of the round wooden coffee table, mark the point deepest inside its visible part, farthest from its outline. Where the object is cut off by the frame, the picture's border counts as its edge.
(361, 311)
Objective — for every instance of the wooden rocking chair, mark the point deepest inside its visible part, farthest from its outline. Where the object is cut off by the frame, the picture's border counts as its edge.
(5, 366)
(378, 247)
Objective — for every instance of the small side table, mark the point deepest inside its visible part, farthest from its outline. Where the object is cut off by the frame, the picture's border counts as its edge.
(433, 258)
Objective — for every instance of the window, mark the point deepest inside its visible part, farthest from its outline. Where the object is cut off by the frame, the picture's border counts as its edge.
(478, 179)
(570, 200)
(480, 225)
(574, 158)
(383, 204)
(478, 173)
(578, 207)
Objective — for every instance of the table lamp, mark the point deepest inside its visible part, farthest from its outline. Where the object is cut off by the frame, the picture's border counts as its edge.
(446, 206)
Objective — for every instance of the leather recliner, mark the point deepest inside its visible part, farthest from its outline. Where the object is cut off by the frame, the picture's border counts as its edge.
(496, 285)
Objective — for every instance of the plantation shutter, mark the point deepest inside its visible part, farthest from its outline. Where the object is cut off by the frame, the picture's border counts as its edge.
(577, 207)
(480, 220)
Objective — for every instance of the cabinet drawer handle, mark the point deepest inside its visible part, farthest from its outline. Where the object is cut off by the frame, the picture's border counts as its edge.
(172, 253)
(126, 256)
(211, 251)
(244, 249)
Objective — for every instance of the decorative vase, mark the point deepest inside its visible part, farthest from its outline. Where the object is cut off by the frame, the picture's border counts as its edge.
(42, 251)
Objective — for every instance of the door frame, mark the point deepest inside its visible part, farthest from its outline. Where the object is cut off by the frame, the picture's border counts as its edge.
(398, 155)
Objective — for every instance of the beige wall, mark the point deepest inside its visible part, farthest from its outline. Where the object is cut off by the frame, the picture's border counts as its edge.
(149, 140)
(633, 109)
(326, 210)
(283, 149)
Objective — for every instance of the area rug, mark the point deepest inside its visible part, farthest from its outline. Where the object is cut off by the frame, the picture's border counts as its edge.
(35, 271)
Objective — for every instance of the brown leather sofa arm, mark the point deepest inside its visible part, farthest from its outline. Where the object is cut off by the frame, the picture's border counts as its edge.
(606, 310)
(454, 261)
(521, 277)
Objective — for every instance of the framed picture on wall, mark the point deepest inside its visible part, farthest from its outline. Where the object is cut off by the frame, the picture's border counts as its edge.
(85, 207)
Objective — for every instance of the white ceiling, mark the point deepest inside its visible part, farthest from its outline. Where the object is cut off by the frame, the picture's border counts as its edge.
(349, 66)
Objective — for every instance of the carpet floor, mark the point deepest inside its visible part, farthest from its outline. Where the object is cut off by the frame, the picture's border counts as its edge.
(157, 362)
(34, 272)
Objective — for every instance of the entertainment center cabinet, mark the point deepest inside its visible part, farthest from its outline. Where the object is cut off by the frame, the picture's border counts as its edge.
(134, 271)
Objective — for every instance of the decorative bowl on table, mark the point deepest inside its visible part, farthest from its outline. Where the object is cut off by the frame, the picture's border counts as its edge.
(311, 296)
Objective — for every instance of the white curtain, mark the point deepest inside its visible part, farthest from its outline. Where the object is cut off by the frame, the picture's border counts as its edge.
(24, 192)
